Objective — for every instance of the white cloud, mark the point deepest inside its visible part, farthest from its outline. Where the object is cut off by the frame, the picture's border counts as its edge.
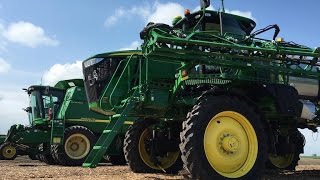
(164, 13)
(28, 34)
(133, 46)
(158, 13)
(12, 100)
(3, 43)
(140, 11)
(247, 14)
(62, 72)
(111, 20)
(4, 66)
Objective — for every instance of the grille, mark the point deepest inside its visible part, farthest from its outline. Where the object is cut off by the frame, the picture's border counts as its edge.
(97, 76)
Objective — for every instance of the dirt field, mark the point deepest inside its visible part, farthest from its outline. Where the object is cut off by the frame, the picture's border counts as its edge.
(23, 168)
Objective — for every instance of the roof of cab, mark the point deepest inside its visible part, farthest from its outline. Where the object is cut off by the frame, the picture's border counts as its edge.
(116, 53)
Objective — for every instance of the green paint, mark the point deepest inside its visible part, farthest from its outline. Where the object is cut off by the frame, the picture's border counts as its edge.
(68, 103)
(177, 65)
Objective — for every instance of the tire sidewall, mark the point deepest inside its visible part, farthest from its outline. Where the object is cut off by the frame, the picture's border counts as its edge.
(62, 156)
(205, 114)
(132, 154)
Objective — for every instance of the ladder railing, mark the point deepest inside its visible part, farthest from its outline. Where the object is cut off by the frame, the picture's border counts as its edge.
(110, 133)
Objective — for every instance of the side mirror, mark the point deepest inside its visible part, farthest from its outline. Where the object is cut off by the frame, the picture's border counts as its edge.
(204, 4)
(28, 109)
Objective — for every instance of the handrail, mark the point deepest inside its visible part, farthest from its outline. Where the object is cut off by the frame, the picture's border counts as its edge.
(116, 86)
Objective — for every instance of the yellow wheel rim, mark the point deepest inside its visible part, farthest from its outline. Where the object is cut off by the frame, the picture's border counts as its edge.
(281, 161)
(230, 144)
(9, 151)
(166, 161)
(77, 146)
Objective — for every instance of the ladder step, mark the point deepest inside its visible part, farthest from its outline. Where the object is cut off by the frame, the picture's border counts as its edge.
(97, 147)
(106, 131)
(108, 135)
(88, 165)
(116, 115)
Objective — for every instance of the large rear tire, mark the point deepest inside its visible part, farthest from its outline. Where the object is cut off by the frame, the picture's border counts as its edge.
(78, 141)
(137, 150)
(223, 137)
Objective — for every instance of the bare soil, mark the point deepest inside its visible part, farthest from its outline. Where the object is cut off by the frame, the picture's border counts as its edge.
(24, 168)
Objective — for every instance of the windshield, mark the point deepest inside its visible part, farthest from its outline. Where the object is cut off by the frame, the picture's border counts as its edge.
(40, 102)
(97, 74)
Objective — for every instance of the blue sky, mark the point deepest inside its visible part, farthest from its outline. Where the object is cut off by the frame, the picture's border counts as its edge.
(48, 39)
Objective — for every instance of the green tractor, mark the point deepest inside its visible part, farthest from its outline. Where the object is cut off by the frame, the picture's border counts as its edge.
(62, 130)
(208, 95)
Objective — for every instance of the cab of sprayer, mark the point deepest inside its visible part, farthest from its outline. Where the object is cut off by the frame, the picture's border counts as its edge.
(213, 22)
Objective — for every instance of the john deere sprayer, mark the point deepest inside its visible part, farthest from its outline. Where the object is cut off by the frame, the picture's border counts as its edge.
(62, 130)
(208, 94)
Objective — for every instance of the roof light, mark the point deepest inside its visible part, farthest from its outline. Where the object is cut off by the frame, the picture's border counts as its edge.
(187, 12)
(279, 40)
(71, 84)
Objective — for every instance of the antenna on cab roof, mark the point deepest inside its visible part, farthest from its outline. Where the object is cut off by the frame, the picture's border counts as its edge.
(204, 4)
(222, 4)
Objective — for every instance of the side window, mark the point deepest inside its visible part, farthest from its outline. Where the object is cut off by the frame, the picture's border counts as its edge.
(35, 107)
(46, 105)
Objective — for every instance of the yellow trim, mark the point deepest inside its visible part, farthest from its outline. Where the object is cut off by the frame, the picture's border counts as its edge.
(230, 144)
(126, 53)
(96, 120)
(56, 140)
(281, 162)
(166, 162)
(9, 151)
(89, 120)
(184, 78)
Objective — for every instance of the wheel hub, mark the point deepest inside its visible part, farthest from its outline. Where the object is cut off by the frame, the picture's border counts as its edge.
(230, 144)
(77, 146)
(74, 146)
(8, 151)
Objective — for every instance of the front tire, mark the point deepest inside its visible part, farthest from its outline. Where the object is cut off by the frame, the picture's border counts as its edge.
(8, 151)
(78, 141)
(137, 150)
(223, 137)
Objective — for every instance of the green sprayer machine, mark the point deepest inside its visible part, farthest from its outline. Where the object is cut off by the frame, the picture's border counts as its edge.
(209, 95)
(62, 130)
